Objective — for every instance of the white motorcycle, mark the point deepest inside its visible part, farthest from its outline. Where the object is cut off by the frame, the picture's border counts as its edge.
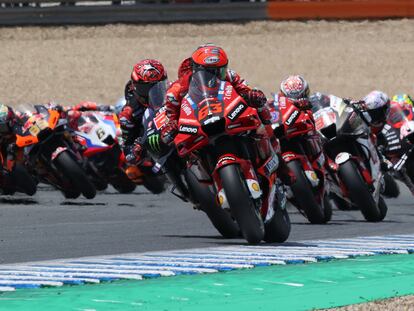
(345, 125)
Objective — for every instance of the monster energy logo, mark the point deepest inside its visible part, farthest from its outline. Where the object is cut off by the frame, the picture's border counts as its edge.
(154, 143)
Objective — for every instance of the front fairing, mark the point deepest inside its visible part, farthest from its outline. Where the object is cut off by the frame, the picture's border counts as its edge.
(211, 108)
(97, 130)
(348, 121)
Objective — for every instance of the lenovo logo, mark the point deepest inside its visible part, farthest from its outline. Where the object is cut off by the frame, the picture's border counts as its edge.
(188, 129)
(237, 112)
(292, 118)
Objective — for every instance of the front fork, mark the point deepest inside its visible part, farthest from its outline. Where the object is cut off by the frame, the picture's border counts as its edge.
(308, 168)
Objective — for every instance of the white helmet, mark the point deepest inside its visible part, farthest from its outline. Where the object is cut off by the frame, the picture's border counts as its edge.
(377, 105)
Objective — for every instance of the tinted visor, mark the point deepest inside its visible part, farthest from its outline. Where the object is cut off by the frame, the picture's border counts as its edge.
(219, 72)
(156, 95)
(378, 115)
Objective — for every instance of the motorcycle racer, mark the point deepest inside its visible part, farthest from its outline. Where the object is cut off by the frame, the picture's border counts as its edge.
(8, 119)
(74, 113)
(403, 99)
(377, 106)
(214, 59)
(147, 75)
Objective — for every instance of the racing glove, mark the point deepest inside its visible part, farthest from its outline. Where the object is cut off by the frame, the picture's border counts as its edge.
(169, 131)
(264, 115)
(133, 153)
(255, 98)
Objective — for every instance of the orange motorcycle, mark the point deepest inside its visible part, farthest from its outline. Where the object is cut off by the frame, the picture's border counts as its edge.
(14, 175)
(49, 150)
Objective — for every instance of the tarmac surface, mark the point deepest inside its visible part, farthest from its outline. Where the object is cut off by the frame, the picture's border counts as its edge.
(46, 226)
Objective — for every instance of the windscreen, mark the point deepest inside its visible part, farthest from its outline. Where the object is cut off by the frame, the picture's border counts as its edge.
(204, 85)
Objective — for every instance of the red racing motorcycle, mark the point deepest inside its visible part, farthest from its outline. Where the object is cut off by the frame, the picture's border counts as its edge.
(397, 144)
(227, 138)
(302, 149)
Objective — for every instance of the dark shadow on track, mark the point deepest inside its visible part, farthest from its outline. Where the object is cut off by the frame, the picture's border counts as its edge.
(72, 203)
(336, 223)
(17, 201)
(215, 237)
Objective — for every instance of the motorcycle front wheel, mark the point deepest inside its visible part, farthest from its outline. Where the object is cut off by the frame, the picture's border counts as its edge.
(72, 171)
(305, 197)
(220, 218)
(23, 181)
(359, 192)
(241, 204)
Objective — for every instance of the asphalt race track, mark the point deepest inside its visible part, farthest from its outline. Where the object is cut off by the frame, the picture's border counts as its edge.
(46, 226)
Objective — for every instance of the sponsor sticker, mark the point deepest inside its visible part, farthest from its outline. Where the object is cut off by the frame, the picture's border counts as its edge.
(236, 112)
(188, 129)
(226, 158)
(211, 60)
(292, 118)
(272, 165)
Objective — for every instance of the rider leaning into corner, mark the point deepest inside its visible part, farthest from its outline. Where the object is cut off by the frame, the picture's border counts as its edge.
(146, 75)
(375, 107)
(212, 58)
(75, 112)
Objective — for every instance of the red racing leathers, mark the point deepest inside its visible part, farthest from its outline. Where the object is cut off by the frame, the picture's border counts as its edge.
(130, 119)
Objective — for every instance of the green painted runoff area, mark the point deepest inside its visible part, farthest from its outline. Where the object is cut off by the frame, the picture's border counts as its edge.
(290, 287)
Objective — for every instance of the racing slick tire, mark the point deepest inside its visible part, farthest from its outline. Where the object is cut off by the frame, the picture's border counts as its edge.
(23, 181)
(391, 189)
(154, 183)
(122, 183)
(71, 170)
(305, 197)
(219, 217)
(241, 205)
(277, 229)
(359, 192)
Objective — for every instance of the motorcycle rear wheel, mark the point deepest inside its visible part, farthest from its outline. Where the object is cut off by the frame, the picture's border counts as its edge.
(359, 192)
(305, 197)
(71, 194)
(220, 218)
(154, 183)
(392, 190)
(23, 181)
(75, 174)
(122, 183)
(241, 204)
(327, 208)
(277, 230)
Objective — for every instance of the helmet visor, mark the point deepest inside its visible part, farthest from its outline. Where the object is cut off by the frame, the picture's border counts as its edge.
(156, 95)
(378, 115)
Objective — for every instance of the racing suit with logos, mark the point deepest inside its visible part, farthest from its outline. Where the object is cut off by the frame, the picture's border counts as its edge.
(130, 119)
